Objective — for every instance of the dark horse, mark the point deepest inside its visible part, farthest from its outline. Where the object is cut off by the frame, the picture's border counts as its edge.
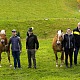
(57, 46)
(4, 47)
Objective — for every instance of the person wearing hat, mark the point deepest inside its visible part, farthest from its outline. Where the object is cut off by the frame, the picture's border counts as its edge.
(32, 45)
(16, 48)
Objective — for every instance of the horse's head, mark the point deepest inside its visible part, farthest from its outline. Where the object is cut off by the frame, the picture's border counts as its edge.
(3, 32)
(3, 39)
(60, 36)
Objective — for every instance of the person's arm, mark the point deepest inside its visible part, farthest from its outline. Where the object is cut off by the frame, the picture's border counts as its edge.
(27, 43)
(37, 43)
(20, 44)
(73, 42)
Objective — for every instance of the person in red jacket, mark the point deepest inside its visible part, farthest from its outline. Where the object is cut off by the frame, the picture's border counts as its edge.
(32, 45)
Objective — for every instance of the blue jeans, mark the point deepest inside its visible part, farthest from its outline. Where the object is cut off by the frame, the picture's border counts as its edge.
(76, 54)
(16, 56)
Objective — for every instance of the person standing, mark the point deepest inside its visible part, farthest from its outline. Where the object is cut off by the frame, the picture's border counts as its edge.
(69, 46)
(76, 33)
(18, 34)
(32, 45)
(16, 48)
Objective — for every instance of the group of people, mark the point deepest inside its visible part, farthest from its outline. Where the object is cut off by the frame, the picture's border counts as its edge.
(71, 43)
(32, 46)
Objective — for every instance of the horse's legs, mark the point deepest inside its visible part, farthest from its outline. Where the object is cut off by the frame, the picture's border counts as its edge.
(56, 59)
(62, 58)
(8, 54)
(0, 60)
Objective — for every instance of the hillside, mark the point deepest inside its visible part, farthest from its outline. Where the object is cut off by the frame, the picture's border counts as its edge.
(21, 14)
(37, 9)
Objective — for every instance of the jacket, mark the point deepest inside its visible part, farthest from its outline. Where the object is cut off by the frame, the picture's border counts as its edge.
(16, 43)
(76, 34)
(32, 42)
(69, 41)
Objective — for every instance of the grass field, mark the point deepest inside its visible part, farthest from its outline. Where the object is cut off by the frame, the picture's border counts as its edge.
(46, 69)
(38, 9)
(46, 16)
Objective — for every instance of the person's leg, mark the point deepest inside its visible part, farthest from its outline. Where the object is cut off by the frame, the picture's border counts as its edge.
(66, 58)
(70, 55)
(15, 60)
(33, 57)
(29, 58)
(75, 55)
(18, 59)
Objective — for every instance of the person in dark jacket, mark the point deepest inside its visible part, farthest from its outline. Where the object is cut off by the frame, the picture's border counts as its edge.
(18, 34)
(32, 45)
(76, 33)
(69, 46)
(16, 48)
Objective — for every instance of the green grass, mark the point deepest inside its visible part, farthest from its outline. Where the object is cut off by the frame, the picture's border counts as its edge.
(43, 28)
(22, 14)
(37, 9)
(46, 69)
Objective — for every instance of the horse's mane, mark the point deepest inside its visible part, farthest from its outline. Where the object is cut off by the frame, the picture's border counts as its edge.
(54, 39)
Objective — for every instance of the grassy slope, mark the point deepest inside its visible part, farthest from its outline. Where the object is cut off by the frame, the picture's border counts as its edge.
(22, 14)
(37, 9)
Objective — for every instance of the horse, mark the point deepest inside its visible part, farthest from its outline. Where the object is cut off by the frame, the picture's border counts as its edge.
(4, 45)
(57, 46)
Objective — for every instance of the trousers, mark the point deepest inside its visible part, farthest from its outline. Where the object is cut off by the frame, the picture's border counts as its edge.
(75, 55)
(31, 55)
(70, 53)
(16, 56)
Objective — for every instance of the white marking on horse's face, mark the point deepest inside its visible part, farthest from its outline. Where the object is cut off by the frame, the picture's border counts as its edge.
(2, 40)
(59, 33)
(3, 32)
(58, 42)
